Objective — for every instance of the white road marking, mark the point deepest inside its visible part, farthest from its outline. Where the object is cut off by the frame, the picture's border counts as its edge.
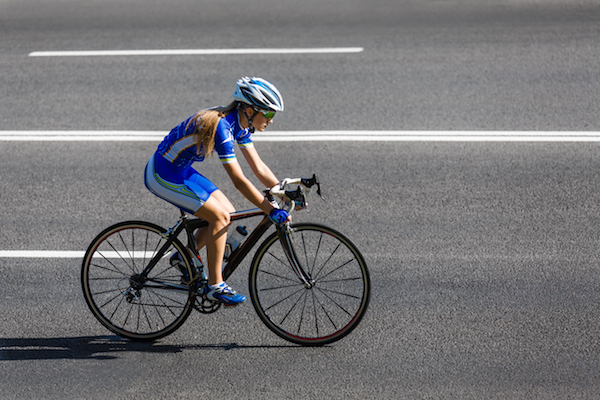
(70, 254)
(431, 136)
(40, 254)
(192, 52)
(319, 136)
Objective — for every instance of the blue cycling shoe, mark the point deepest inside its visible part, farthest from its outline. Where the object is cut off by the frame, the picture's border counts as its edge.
(224, 294)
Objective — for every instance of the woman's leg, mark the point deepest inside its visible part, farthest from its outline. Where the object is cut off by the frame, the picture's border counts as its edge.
(201, 233)
(216, 211)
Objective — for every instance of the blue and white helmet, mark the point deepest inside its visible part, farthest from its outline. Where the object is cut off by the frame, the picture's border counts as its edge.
(259, 93)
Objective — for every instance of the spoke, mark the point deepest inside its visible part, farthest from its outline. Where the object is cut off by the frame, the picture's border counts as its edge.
(119, 254)
(314, 266)
(116, 269)
(302, 315)
(117, 307)
(109, 291)
(340, 293)
(336, 269)
(277, 276)
(282, 300)
(133, 247)
(112, 298)
(137, 303)
(309, 265)
(150, 292)
(335, 302)
(284, 263)
(326, 261)
(162, 296)
(316, 314)
(116, 278)
(325, 311)
(342, 280)
(281, 287)
(292, 308)
(146, 247)
(139, 313)
(128, 252)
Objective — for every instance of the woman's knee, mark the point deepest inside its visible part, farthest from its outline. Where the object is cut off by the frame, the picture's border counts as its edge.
(215, 212)
(222, 219)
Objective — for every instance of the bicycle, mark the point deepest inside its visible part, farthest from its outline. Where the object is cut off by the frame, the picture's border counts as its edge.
(309, 284)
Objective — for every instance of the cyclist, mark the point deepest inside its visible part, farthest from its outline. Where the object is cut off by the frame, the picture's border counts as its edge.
(170, 176)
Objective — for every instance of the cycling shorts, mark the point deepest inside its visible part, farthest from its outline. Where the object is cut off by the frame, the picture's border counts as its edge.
(185, 188)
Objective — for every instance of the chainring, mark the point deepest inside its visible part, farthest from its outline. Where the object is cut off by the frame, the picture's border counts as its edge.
(206, 306)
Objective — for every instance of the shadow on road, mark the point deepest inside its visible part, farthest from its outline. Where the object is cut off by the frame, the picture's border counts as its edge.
(95, 347)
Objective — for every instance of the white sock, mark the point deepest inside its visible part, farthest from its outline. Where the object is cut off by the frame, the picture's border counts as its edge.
(217, 285)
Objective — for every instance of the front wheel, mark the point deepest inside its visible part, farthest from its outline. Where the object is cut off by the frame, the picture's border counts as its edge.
(337, 299)
(127, 305)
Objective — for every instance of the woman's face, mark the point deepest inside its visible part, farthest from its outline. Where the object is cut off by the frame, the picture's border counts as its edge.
(261, 122)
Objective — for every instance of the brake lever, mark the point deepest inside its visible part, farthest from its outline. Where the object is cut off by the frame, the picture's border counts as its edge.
(268, 195)
(298, 197)
(309, 183)
(295, 195)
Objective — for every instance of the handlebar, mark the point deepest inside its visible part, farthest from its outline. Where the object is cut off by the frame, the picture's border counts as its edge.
(298, 196)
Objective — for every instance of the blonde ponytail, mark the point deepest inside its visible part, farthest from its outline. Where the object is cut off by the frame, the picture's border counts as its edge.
(205, 126)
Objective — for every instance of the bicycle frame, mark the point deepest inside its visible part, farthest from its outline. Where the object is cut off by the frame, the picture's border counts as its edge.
(237, 256)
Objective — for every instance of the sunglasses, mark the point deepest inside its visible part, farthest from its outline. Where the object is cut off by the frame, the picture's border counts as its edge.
(267, 114)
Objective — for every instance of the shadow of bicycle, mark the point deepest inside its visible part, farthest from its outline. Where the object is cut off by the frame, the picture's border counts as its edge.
(96, 347)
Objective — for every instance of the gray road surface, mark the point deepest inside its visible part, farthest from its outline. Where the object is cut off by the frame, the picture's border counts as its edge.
(483, 255)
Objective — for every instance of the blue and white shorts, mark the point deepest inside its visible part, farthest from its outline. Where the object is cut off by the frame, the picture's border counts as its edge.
(185, 188)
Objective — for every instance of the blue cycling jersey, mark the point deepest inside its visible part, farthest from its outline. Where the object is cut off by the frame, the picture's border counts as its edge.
(180, 145)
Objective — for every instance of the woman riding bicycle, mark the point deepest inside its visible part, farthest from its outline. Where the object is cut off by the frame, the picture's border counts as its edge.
(170, 176)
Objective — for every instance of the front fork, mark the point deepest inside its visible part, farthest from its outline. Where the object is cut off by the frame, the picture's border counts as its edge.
(285, 233)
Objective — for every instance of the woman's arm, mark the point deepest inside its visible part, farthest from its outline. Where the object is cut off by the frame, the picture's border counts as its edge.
(260, 169)
(246, 187)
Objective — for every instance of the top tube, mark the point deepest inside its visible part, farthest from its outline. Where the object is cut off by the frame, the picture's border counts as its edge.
(234, 215)
(246, 213)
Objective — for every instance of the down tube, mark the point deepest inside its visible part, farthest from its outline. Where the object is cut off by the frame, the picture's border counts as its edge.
(238, 256)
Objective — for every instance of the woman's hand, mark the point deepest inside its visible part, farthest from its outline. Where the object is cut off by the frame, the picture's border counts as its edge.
(279, 216)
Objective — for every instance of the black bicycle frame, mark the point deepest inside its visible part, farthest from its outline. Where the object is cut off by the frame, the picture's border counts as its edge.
(238, 255)
(242, 251)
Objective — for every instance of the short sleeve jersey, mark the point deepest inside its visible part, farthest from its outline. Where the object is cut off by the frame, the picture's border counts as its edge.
(180, 145)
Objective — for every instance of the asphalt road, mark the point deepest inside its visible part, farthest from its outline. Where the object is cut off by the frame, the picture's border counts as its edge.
(483, 255)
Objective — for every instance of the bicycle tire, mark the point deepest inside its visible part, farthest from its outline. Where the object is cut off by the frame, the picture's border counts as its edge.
(116, 255)
(316, 316)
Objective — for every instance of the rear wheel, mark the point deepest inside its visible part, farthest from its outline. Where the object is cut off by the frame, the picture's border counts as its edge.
(128, 306)
(328, 310)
